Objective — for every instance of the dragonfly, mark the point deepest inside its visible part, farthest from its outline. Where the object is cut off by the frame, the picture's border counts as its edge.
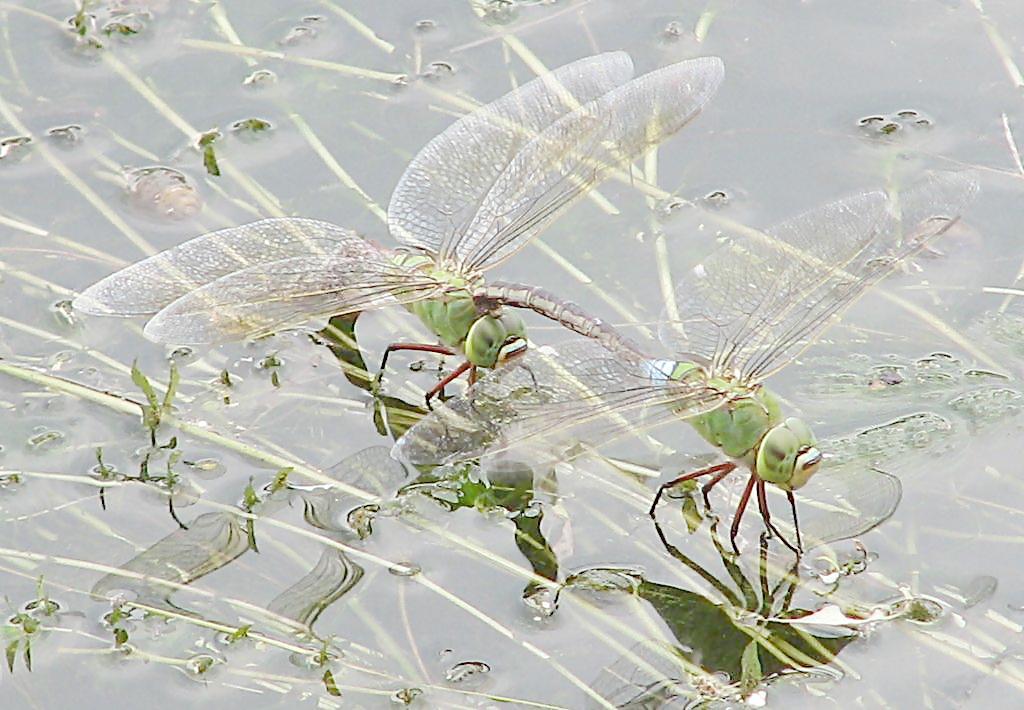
(471, 198)
(747, 311)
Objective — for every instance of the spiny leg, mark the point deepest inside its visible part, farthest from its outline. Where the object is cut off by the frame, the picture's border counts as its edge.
(721, 470)
(706, 488)
(451, 377)
(418, 347)
(796, 523)
(734, 530)
(762, 505)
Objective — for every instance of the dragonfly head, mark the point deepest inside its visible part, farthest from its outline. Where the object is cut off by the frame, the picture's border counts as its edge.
(787, 455)
(493, 339)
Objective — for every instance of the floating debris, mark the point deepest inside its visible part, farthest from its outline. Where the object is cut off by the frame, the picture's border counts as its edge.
(163, 191)
(438, 70)
(64, 312)
(405, 569)
(891, 124)
(716, 198)
(987, 404)
(673, 31)
(406, 696)
(541, 599)
(298, 35)
(251, 126)
(260, 78)
(891, 439)
(604, 580)
(13, 147)
(66, 136)
(204, 144)
(497, 12)
(46, 439)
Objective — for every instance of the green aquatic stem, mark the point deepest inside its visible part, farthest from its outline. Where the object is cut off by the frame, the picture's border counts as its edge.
(126, 405)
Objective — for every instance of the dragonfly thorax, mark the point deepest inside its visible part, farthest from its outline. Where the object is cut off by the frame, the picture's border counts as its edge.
(486, 338)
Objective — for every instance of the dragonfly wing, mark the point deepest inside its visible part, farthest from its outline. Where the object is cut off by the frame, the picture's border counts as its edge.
(844, 502)
(760, 300)
(577, 391)
(442, 188)
(289, 293)
(563, 162)
(147, 286)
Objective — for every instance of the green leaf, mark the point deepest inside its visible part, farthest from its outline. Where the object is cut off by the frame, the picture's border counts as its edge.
(120, 637)
(281, 479)
(250, 532)
(691, 514)
(142, 382)
(249, 497)
(240, 633)
(28, 654)
(750, 669)
(11, 653)
(172, 388)
(210, 161)
(205, 144)
(329, 684)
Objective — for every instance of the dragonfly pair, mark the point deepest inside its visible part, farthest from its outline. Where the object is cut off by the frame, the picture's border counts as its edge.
(478, 193)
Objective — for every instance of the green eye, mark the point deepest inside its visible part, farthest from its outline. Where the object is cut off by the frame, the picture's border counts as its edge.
(800, 430)
(776, 455)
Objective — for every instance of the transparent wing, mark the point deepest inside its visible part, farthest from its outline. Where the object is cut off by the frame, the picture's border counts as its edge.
(579, 391)
(649, 675)
(843, 502)
(564, 161)
(372, 470)
(268, 298)
(211, 541)
(444, 184)
(851, 494)
(149, 285)
(759, 301)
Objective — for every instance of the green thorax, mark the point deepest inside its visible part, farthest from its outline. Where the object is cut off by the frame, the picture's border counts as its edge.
(455, 318)
(738, 425)
(449, 316)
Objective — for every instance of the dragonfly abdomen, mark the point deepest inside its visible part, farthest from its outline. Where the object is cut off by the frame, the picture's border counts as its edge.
(566, 313)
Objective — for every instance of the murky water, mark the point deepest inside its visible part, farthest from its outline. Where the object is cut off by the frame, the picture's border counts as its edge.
(262, 548)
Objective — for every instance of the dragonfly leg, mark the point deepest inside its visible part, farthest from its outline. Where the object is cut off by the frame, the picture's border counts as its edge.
(418, 347)
(706, 488)
(472, 375)
(762, 505)
(734, 530)
(796, 523)
(451, 377)
(719, 470)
